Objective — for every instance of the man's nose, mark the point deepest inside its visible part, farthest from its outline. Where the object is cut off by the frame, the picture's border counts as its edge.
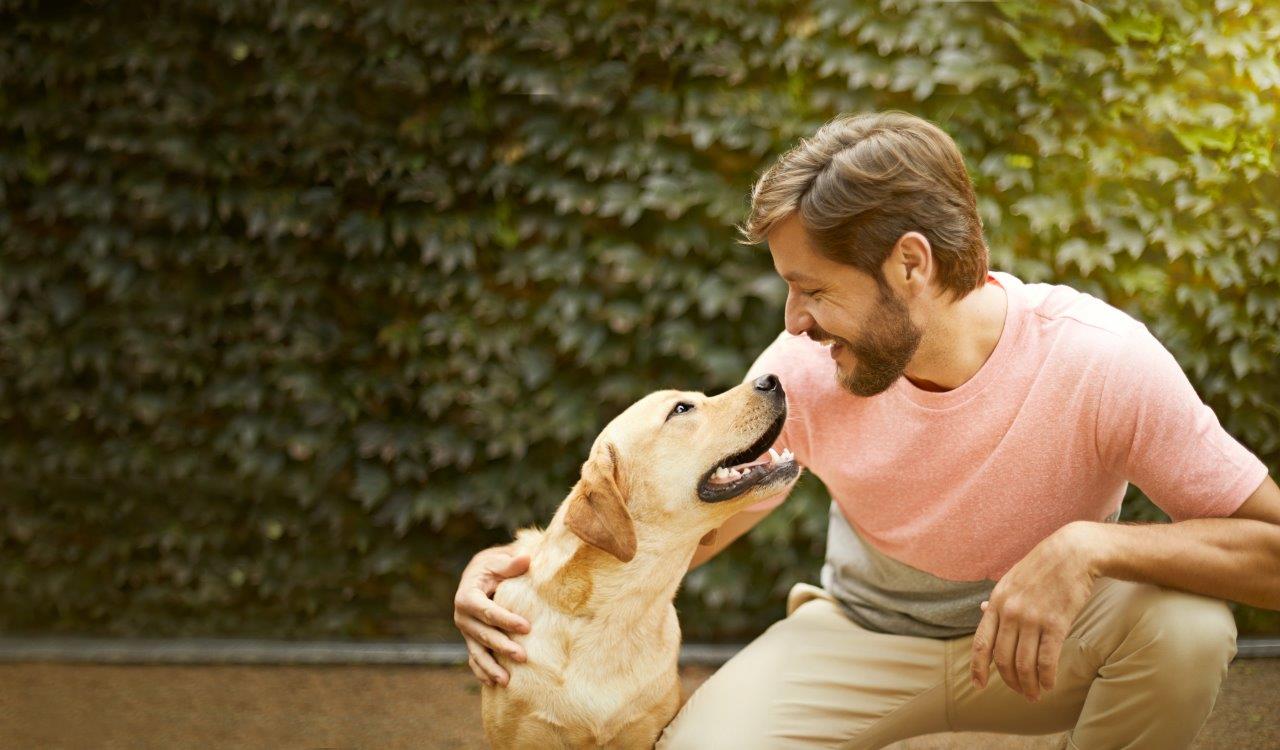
(796, 319)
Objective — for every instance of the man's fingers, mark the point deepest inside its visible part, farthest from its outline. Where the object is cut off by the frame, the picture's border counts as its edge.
(482, 621)
(983, 644)
(480, 659)
(486, 610)
(1026, 661)
(512, 566)
(1050, 653)
(501, 567)
(1006, 651)
(492, 639)
(504, 619)
(480, 674)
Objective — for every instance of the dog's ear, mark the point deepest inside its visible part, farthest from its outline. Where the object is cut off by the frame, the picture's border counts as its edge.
(598, 510)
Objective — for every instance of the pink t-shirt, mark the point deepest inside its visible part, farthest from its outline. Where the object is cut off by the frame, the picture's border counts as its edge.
(1076, 400)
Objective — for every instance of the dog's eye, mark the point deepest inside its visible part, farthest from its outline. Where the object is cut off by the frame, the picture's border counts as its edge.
(680, 408)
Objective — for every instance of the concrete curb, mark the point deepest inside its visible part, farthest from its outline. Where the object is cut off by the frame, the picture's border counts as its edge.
(250, 651)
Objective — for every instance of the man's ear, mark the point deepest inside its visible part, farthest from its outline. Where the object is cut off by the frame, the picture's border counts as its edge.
(598, 510)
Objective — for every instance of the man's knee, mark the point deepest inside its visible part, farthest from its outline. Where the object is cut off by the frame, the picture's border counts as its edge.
(728, 712)
(1190, 630)
(1163, 662)
(712, 729)
(696, 733)
(1193, 640)
(732, 709)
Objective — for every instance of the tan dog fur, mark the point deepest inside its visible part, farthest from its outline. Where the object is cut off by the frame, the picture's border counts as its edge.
(601, 668)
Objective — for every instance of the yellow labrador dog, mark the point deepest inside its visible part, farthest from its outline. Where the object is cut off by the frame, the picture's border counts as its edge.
(664, 474)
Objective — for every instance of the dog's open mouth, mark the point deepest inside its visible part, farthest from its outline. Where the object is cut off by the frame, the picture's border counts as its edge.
(747, 469)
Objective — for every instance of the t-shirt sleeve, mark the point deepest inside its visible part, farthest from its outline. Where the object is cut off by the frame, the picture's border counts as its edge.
(1154, 431)
(777, 361)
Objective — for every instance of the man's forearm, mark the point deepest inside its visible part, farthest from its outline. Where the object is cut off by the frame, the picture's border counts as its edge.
(1226, 558)
(735, 527)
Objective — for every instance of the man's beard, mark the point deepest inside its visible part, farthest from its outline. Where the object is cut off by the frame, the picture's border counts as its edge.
(882, 350)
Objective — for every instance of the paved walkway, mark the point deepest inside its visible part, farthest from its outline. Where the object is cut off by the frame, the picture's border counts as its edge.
(54, 706)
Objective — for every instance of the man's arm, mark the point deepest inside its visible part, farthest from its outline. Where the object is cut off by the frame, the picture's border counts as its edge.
(1154, 430)
(735, 527)
(1236, 558)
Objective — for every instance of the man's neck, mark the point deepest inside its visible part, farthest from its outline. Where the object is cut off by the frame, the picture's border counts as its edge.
(959, 340)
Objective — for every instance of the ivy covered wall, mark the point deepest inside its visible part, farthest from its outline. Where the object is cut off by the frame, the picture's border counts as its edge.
(302, 303)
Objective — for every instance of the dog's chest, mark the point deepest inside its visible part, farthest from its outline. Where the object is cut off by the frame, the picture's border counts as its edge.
(585, 676)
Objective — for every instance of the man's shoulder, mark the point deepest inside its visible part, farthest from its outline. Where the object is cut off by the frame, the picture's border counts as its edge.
(1064, 311)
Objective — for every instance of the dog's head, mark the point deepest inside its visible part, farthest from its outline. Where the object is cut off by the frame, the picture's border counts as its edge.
(683, 462)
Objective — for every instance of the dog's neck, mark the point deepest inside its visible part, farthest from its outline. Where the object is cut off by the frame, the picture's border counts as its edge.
(578, 579)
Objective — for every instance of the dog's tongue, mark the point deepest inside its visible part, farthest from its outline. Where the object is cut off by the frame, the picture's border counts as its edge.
(762, 460)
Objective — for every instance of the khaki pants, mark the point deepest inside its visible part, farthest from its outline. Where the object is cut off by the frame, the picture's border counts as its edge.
(1141, 668)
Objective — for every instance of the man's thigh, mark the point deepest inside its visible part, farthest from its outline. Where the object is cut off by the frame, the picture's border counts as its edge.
(815, 679)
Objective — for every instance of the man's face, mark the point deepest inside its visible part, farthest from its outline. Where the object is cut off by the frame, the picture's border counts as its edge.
(873, 337)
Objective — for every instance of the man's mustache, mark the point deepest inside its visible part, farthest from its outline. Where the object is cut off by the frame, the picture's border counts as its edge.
(820, 336)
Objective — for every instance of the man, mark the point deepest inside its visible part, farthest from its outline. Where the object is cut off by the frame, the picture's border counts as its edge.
(977, 435)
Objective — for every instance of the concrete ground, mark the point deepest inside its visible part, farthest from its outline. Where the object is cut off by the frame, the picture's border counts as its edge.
(76, 706)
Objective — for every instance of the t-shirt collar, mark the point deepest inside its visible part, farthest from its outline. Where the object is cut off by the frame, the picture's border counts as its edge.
(991, 370)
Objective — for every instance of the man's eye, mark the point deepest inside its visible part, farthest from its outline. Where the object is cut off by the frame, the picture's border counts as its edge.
(680, 408)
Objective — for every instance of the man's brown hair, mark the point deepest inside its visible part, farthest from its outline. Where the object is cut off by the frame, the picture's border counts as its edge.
(862, 181)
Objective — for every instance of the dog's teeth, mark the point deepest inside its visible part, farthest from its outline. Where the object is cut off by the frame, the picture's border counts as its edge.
(786, 454)
(773, 455)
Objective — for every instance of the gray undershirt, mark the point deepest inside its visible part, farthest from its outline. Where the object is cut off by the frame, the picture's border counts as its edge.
(886, 596)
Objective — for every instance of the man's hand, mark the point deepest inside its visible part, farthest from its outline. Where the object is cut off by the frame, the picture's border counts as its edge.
(1031, 611)
(482, 622)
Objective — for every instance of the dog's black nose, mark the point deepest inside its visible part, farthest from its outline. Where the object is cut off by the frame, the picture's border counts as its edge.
(767, 383)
